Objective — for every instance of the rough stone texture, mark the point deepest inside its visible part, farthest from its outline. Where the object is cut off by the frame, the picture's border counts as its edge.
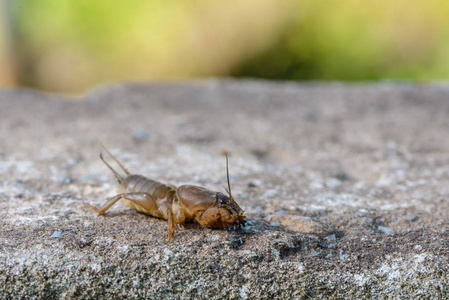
(368, 162)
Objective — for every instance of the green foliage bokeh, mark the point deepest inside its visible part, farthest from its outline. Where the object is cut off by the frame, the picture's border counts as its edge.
(72, 45)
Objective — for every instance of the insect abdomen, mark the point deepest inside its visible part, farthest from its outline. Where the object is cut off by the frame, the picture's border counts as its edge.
(138, 183)
(162, 195)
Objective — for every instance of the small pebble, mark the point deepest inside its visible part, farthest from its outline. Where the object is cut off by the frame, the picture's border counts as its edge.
(314, 253)
(57, 235)
(95, 178)
(340, 175)
(20, 184)
(281, 212)
(411, 218)
(270, 193)
(329, 255)
(331, 238)
(316, 185)
(61, 179)
(141, 135)
(333, 183)
(343, 256)
(255, 183)
(386, 230)
(249, 223)
(71, 228)
(275, 224)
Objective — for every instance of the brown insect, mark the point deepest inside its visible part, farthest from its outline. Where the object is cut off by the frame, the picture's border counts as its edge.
(176, 205)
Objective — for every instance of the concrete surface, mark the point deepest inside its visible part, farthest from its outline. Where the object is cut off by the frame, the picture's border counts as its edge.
(345, 186)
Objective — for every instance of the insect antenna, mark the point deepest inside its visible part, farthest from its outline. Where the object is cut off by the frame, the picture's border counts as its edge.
(115, 159)
(117, 175)
(239, 210)
(227, 175)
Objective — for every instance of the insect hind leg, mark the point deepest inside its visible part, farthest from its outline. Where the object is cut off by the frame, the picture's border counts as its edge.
(101, 210)
(142, 202)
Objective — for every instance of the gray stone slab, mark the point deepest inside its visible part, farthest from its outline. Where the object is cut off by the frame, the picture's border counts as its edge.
(345, 188)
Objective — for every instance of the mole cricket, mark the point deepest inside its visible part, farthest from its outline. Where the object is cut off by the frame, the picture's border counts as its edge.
(176, 205)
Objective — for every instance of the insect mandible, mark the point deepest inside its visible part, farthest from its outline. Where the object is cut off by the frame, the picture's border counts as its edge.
(176, 205)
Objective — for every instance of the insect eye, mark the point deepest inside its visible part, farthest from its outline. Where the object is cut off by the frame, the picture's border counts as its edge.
(223, 201)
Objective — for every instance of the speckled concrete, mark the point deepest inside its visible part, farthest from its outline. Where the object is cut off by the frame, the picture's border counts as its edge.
(345, 188)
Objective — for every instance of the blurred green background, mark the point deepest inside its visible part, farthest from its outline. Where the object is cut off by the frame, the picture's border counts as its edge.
(71, 46)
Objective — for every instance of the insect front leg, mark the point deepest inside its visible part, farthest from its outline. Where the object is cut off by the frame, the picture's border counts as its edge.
(171, 224)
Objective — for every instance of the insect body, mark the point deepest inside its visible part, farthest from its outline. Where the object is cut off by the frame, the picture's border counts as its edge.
(176, 205)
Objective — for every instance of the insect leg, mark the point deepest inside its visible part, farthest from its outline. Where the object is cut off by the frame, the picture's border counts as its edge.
(171, 225)
(106, 206)
(142, 202)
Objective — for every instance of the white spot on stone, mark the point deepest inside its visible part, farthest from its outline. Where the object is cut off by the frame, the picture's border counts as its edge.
(386, 230)
(244, 292)
(316, 185)
(270, 193)
(57, 235)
